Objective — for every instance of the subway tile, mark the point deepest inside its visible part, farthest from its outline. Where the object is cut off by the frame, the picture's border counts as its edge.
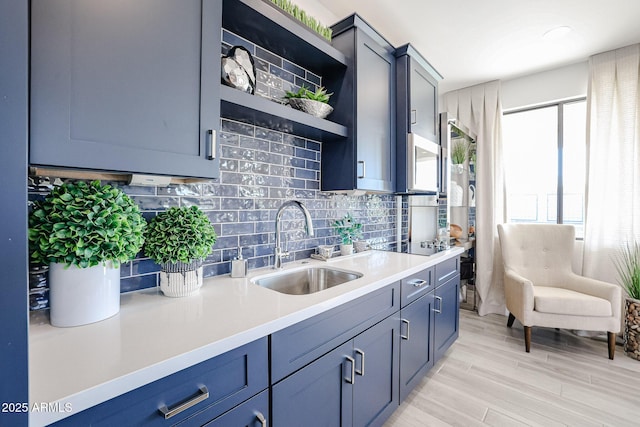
(307, 154)
(218, 217)
(262, 89)
(282, 149)
(311, 164)
(312, 145)
(237, 127)
(253, 191)
(235, 40)
(253, 215)
(144, 266)
(136, 283)
(269, 135)
(261, 64)
(216, 269)
(233, 203)
(290, 66)
(254, 143)
(305, 174)
(294, 140)
(313, 185)
(297, 162)
(283, 74)
(315, 79)
(281, 193)
(156, 203)
(180, 190)
(228, 165)
(261, 262)
(304, 83)
(204, 203)
(237, 228)
(295, 183)
(226, 138)
(225, 242)
(268, 56)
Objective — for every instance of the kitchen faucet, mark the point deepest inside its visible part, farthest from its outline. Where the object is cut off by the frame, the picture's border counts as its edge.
(279, 253)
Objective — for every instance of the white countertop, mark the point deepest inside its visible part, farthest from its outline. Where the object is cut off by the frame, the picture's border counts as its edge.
(154, 336)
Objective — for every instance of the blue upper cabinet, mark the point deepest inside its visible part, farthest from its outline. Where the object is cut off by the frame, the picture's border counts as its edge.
(126, 86)
(365, 102)
(417, 112)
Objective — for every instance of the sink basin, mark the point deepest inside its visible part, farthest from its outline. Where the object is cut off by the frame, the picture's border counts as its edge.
(305, 281)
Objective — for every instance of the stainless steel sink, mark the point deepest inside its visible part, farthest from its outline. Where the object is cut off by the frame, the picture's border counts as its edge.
(305, 281)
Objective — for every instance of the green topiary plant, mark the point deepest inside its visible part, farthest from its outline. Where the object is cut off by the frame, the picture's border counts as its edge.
(85, 225)
(179, 235)
(347, 229)
(320, 94)
(628, 266)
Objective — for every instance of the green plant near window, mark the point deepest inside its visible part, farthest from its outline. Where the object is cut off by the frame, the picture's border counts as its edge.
(347, 229)
(459, 152)
(628, 265)
(85, 225)
(299, 14)
(320, 94)
(182, 234)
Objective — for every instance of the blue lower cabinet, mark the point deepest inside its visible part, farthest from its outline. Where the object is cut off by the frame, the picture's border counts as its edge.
(352, 385)
(193, 396)
(446, 319)
(416, 342)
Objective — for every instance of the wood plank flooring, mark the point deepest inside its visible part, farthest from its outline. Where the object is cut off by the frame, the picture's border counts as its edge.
(486, 378)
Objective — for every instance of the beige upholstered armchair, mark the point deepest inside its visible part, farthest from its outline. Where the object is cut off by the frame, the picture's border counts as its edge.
(542, 290)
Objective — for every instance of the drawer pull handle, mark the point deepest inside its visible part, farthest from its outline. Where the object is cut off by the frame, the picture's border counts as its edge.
(414, 117)
(168, 413)
(439, 309)
(262, 419)
(405, 337)
(361, 353)
(418, 282)
(351, 379)
(211, 144)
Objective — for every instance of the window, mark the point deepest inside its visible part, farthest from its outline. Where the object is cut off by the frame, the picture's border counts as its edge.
(545, 164)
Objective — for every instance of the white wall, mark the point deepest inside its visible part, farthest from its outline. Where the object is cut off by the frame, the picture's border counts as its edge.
(561, 83)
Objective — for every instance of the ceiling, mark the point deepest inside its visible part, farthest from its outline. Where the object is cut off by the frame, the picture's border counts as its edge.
(475, 41)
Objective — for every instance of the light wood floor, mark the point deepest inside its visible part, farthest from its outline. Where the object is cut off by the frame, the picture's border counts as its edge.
(486, 378)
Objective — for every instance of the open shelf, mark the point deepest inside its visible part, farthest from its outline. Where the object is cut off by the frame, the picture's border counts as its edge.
(241, 106)
(262, 22)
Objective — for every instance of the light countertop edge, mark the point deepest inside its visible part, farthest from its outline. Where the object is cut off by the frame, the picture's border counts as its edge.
(154, 336)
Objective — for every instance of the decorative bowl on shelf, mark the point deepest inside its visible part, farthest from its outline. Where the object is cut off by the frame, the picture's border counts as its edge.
(310, 106)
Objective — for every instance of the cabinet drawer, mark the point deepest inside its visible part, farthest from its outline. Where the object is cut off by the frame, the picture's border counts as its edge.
(416, 285)
(298, 345)
(446, 270)
(229, 378)
(252, 413)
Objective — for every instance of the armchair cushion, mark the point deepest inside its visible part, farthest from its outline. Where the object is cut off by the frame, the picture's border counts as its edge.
(564, 301)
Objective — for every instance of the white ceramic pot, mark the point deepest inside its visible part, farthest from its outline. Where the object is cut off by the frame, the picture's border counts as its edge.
(180, 279)
(79, 296)
(346, 249)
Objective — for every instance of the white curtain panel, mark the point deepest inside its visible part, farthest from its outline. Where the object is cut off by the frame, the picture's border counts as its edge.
(613, 153)
(480, 109)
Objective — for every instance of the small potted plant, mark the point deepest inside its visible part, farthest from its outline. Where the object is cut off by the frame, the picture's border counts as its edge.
(179, 239)
(314, 103)
(628, 266)
(348, 230)
(83, 232)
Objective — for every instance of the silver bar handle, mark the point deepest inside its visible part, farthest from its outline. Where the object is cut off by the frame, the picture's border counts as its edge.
(262, 419)
(168, 413)
(211, 144)
(361, 353)
(364, 169)
(438, 310)
(418, 282)
(406, 322)
(351, 379)
(414, 117)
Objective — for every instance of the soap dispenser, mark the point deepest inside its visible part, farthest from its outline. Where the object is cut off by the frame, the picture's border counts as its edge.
(239, 266)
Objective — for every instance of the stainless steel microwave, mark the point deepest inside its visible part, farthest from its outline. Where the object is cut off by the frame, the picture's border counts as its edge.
(423, 165)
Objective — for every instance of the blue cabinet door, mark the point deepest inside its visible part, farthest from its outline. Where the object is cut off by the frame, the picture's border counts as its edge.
(320, 394)
(375, 390)
(128, 87)
(446, 308)
(423, 115)
(416, 342)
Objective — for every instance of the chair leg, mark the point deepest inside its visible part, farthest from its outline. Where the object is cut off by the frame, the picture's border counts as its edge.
(611, 340)
(510, 321)
(527, 338)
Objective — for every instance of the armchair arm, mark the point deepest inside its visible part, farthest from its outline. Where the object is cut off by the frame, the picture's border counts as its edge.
(518, 292)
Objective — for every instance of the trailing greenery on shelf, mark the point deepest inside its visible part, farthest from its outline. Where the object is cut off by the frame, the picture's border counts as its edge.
(347, 229)
(320, 94)
(305, 19)
(628, 266)
(182, 234)
(85, 225)
(459, 152)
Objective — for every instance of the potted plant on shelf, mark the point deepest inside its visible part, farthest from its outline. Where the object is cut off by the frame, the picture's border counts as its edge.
(348, 230)
(179, 239)
(459, 154)
(628, 266)
(314, 103)
(83, 232)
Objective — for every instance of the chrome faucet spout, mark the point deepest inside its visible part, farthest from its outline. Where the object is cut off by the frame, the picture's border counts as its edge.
(279, 253)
